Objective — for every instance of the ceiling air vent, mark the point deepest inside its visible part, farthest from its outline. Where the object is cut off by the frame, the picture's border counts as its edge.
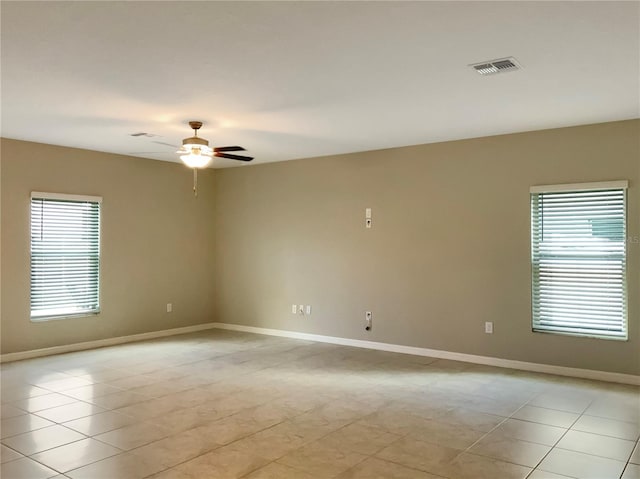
(496, 66)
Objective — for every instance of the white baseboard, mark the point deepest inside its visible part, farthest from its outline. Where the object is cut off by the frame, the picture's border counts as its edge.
(435, 353)
(358, 343)
(99, 343)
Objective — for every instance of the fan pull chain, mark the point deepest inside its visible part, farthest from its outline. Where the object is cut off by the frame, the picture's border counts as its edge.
(195, 182)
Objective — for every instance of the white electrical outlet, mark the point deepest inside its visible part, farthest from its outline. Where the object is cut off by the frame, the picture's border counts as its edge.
(368, 317)
(488, 327)
(367, 213)
(301, 309)
(294, 308)
(169, 307)
(308, 309)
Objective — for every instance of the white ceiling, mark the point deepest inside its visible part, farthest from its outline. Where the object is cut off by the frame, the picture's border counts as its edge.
(301, 79)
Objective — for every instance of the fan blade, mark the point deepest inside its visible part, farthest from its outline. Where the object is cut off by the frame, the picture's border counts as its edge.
(229, 148)
(233, 157)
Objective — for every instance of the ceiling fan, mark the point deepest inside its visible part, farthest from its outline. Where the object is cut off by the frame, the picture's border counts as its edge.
(196, 153)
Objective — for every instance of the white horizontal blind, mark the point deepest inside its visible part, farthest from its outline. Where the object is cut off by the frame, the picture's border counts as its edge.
(65, 255)
(578, 241)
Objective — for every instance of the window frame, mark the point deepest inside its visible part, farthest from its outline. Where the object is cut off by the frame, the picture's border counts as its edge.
(577, 188)
(40, 195)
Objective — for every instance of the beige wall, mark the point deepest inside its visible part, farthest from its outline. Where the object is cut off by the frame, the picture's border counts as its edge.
(157, 243)
(449, 248)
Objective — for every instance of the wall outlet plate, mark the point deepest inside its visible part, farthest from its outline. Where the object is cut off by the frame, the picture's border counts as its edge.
(169, 307)
(488, 327)
(294, 308)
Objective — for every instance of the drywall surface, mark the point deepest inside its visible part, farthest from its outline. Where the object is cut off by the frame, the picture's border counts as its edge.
(156, 243)
(449, 246)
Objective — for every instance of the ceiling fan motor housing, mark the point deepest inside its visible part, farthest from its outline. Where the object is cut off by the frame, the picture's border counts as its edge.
(195, 140)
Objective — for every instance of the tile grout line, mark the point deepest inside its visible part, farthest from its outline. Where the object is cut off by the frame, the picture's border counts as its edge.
(524, 420)
(248, 373)
(558, 441)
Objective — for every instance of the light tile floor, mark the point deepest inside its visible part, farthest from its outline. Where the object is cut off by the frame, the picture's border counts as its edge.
(225, 405)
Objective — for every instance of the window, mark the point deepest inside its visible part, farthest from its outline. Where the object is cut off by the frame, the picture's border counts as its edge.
(578, 255)
(65, 255)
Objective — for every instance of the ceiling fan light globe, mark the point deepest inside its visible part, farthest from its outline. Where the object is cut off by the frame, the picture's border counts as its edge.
(195, 148)
(195, 160)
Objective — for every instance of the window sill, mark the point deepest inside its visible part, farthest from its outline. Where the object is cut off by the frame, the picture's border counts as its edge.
(582, 335)
(44, 319)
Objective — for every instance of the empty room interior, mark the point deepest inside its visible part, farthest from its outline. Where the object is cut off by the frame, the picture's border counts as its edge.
(313, 240)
